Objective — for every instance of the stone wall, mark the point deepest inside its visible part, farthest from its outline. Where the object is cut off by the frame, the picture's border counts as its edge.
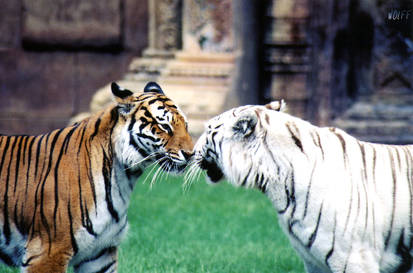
(55, 54)
(362, 68)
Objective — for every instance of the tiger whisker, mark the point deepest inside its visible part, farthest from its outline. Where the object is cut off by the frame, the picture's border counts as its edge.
(142, 160)
(192, 174)
(152, 168)
(153, 180)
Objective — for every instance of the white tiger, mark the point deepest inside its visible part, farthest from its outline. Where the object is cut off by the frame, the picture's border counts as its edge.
(345, 204)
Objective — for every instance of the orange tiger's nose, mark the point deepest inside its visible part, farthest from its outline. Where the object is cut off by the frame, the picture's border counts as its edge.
(187, 155)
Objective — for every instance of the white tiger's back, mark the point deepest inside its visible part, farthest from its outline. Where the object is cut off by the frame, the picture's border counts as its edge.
(345, 204)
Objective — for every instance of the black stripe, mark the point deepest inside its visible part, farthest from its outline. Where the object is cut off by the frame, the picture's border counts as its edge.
(314, 234)
(26, 139)
(105, 268)
(244, 182)
(259, 182)
(90, 176)
(343, 145)
(43, 183)
(307, 196)
(98, 256)
(287, 193)
(404, 253)
(81, 142)
(331, 251)
(408, 159)
(17, 167)
(63, 148)
(29, 159)
(95, 132)
(295, 136)
(137, 147)
(350, 207)
(39, 145)
(6, 230)
(84, 213)
(317, 141)
(147, 137)
(107, 173)
(386, 241)
(72, 234)
(160, 99)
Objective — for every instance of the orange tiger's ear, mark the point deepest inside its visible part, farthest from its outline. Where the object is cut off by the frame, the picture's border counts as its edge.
(278, 105)
(123, 97)
(120, 93)
(153, 87)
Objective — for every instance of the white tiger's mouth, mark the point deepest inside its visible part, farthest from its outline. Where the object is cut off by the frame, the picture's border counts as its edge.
(214, 173)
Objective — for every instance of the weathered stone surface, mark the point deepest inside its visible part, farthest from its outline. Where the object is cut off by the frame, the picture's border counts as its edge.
(165, 25)
(72, 23)
(136, 21)
(208, 26)
(9, 24)
(289, 9)
(41, 88)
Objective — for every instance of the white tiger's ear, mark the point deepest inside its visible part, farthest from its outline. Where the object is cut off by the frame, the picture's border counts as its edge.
(278, 105)
(245, 125)
(123, 97)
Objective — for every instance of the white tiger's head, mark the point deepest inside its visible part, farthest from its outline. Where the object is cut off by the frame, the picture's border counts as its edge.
(247, 145)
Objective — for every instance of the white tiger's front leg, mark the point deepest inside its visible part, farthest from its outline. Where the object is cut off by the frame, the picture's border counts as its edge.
(310, 268)
(105, 262)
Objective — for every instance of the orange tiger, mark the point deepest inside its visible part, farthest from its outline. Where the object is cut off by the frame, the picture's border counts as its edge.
(64, 195)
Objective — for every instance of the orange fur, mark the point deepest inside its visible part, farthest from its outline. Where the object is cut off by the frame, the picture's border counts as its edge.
(55, 185)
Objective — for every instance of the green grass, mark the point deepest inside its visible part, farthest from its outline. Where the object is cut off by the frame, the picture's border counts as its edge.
(207, 228)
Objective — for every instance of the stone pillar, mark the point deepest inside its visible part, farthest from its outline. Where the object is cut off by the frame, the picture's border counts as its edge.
(165, 29)
(287, 54)
(165, 24)
(207, 26)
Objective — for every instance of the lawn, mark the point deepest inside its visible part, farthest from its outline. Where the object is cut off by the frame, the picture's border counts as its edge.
(206, 228)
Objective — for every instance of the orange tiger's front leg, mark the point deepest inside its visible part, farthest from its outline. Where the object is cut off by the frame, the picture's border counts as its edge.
(41, 259)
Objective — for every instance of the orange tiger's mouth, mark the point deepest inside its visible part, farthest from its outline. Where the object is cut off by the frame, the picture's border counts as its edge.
(213, 171)
(170, 165)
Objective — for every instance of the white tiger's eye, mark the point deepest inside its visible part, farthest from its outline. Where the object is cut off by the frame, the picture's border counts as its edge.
(245, 125)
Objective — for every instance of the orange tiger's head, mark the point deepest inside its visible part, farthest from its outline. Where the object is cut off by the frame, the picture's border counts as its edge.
(151, 128)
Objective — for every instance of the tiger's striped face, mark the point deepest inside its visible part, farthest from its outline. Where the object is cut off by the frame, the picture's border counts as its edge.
(230, 145)
(151, 128)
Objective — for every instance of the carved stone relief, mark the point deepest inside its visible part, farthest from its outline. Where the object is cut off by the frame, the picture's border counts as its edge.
(208, 25)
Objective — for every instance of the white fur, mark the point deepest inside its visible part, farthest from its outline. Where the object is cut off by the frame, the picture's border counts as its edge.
(347, 186)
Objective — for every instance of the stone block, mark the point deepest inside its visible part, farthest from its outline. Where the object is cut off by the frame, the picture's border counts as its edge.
(40, 83)
(289, 86)
(135, 24)
(290, 9)
(285, 31)
(72, 23)
(9, 24)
